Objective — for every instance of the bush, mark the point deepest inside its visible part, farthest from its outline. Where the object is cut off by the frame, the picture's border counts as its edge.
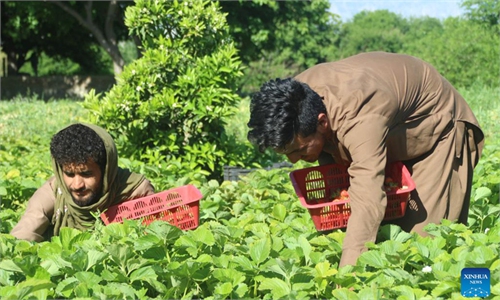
(171, 104)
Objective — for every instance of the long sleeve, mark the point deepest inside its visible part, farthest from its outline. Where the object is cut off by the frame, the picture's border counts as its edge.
(144, 189)
(36, 220)
(365, 142)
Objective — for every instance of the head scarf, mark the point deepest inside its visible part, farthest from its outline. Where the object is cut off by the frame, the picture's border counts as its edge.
(117, 186)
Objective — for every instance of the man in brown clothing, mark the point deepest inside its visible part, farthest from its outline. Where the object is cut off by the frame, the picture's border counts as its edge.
(87, 179)
(366, 111)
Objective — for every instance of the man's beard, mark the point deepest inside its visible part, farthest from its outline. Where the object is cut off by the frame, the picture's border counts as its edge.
(89, 199)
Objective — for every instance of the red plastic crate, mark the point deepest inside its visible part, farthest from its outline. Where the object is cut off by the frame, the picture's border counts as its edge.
(178, 206)
(314, 187)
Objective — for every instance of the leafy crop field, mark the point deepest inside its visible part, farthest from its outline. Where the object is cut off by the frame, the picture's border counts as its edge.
(255, 240)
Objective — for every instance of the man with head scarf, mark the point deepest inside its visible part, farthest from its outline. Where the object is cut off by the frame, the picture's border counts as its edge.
(87, 180)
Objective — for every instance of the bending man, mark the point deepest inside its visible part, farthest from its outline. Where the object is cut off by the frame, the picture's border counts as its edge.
(366, 111)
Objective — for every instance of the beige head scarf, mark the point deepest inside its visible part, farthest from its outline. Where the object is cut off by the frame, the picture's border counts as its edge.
(118, 184)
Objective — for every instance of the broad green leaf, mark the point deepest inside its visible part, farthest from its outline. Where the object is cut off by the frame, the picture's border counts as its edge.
(144, 274)
(47, 250)
(203, 235)
(278, 287)
(344, 294)
(66, 287)
(258, 229)
(88, 278)
(482, 192)
(117, 230)
(323, 270)
(277, 243)
(120, 253)
(238, 207)
(306, 248)
(229, 275)
(446, 287)
(320, 241)
(146, 241)
(242, 291)
(372, 258)
(5, 278)
(3, 191)
(136, 263)
(10, 265)
(12, 174)
(82, 290)
(279, 212)
(94, 257)
(260, 250)
(66, 236)
(371, 293)
(495, 290)
(482, 256)
(33, 285)
(205, 258)
(244, 263)
(26, 247)
(460, 253)
(42, 274)
(224, 289)
(405, 292)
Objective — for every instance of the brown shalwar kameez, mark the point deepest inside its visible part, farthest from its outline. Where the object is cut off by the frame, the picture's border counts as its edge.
(386, 107)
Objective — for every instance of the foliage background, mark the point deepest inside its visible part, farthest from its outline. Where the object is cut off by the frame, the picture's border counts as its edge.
(254, 240)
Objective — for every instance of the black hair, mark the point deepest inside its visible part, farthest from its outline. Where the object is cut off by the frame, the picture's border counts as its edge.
(282, 109)
(77, 144)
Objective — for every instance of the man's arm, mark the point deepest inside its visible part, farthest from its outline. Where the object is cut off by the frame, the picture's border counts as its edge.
(365, 142)
(38, 215)
(144, 189)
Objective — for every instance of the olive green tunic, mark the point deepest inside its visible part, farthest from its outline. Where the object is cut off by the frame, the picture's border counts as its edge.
(385, 107)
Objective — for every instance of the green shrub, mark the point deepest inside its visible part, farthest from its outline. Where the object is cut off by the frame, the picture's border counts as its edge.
(171, 104)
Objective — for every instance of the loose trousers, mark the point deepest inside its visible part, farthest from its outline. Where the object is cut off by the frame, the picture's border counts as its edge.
(443, 180)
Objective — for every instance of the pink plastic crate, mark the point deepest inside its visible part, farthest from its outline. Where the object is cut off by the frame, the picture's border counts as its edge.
(178, 206)
(315, 186)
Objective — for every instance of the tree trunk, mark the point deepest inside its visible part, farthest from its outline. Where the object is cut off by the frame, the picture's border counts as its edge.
(107, 40)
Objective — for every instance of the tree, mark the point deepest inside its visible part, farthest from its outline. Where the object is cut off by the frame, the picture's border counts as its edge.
(76, 30)
(30, 29)
(298, 31)
(378, 30)
(485, 12)
(169, 106)
(465, 52)
(264, 26)
(280, 38)
(103, 20)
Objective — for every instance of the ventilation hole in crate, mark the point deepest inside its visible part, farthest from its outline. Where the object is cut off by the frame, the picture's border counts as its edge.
(173, 196)
(314, 175)
(122, 212)
(140, 209)
(316, 195)
(156, 203)
(168, 216)
(140, 204)
(412, 204)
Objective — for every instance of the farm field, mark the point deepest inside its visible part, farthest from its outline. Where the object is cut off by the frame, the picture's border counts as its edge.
(254, 241)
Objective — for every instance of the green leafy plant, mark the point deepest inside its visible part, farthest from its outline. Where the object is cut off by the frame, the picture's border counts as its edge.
(172, 103)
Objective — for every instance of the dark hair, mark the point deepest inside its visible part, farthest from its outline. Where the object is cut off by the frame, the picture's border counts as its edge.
(282, 109)
(77, 144)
